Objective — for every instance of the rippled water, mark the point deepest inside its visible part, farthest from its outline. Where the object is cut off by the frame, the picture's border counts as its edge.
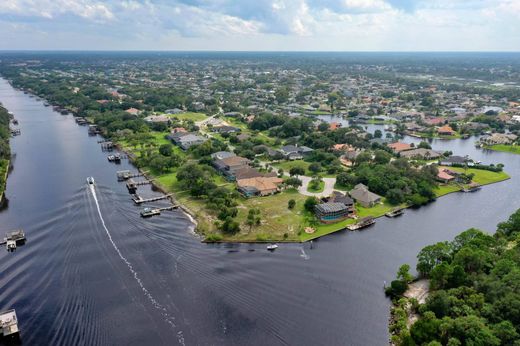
(89, 276)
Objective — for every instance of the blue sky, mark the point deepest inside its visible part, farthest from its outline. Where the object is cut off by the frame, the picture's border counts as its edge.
(302, 25)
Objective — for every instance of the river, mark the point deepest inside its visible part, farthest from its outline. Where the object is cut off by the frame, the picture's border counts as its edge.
(93, 272)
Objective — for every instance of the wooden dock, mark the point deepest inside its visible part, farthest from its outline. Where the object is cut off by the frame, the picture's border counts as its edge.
(149, 212)
(125, 175)
(132, 185)
(140, 200)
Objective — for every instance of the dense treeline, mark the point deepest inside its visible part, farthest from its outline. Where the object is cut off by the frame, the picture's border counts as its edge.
(5, 152)
(474, 291)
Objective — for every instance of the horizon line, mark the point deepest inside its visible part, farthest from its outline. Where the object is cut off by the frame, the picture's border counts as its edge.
(255, 51)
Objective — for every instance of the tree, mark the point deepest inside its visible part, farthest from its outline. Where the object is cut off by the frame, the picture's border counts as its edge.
(426, 329)
(511, 226)
(296, 171)
(403, 273)
(378, 134)
(322, 127)
(293, 182)
(424, 145)
(315, 167)
(310, 203)
(291, 204)
(432, 255)
(166, 149)
(382, 157)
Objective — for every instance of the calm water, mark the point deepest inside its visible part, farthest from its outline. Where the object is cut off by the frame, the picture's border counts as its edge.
(89, 276)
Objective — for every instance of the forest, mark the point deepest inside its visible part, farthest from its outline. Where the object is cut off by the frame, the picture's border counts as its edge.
(474, 296)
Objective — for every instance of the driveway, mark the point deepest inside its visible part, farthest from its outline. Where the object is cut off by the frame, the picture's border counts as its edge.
(327, 191)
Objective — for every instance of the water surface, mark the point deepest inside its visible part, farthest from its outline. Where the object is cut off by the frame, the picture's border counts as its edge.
(106, 276)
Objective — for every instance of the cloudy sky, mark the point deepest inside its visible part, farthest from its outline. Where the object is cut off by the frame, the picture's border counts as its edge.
(303, 25)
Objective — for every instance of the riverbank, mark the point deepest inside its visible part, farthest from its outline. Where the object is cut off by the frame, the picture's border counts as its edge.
(514, 149)
(4, 172)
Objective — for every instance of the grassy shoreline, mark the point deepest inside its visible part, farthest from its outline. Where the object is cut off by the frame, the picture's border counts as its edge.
(513, 149)
(4, 172)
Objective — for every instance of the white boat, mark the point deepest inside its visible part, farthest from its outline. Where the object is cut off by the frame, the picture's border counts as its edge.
(91, 181)
(272, 247)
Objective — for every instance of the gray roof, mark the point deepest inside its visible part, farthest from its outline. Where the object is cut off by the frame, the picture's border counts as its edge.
(361, 193)
(222, 155)
(330, 207)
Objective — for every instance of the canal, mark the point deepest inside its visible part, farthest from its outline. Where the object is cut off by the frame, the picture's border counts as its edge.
(93, 272)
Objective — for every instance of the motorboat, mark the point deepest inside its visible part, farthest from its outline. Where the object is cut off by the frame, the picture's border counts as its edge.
(91, 181)
(272, 247)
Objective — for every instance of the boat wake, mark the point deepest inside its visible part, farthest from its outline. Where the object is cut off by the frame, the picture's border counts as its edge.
(168, 318)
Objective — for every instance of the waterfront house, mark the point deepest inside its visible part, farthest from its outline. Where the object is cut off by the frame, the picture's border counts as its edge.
(331, 212)
(445, 130)
(363, 196)
(498, 138)
(444, 176)
(259, 186)
(338, 197)
(421, 153)
(453, 160)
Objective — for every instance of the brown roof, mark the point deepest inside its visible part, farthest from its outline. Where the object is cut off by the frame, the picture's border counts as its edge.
(444, 175)
(399, 146)
(234, 160)
(445, 129)
(261, 183)
(247, 172)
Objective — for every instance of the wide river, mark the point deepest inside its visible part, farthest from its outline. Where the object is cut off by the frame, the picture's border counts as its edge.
(93, 272)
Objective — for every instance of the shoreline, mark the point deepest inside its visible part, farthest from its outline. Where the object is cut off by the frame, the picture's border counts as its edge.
(194, 218)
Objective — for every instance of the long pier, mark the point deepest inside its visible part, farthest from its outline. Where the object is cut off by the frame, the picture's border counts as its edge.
(139, 200)
(125, 175)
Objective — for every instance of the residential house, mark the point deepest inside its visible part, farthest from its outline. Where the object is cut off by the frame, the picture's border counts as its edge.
(295, 152)
(421, 153)
(445, 130)
(225, 129)
(444, 176)
(454, 160)
(398, 147)
(331, 212)
(230, 165)
(133, 111)
(499, 138)
(158, 119)
(259, 186)
(219, 155)
(186, 140)
(363, 196)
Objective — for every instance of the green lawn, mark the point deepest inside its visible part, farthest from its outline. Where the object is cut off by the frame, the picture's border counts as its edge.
(442, 190)
(515, 149)
(376, 211)
(483, 177)
(320, 188)
(277, 219)
(190, 116)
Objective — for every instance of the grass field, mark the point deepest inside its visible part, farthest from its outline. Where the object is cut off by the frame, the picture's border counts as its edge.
(483, 177)
(189, 116)
(514, 149)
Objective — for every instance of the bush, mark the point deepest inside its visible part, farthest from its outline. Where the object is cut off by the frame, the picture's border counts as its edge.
(291, 204)
(396, 288)
(213, 237)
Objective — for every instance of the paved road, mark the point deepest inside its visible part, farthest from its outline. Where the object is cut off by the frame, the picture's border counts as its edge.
(327, 191)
